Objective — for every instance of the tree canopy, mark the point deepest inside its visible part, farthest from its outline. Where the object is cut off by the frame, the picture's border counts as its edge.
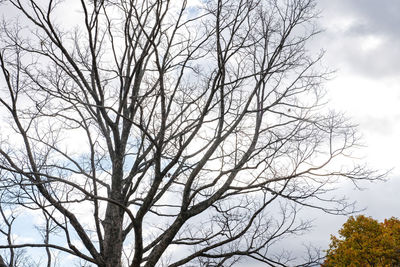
(363, 241)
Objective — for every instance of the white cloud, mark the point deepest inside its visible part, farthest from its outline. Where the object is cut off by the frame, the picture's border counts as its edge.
(371, 43)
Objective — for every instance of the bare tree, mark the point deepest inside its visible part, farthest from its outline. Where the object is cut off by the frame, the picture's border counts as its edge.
(156, 132)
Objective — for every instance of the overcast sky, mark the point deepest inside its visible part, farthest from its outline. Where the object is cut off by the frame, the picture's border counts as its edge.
(362, 40)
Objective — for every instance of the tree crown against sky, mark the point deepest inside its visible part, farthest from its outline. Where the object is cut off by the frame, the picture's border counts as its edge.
(364, 241)
(139, 129)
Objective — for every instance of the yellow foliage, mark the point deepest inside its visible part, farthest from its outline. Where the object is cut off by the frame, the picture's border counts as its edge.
(365, 242)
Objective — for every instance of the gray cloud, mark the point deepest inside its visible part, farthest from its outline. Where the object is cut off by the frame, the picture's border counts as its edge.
(370, 42)
(376, 16)
(379, 16)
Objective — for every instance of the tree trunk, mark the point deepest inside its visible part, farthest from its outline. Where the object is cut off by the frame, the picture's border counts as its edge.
(113, 236)
(2, 264)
